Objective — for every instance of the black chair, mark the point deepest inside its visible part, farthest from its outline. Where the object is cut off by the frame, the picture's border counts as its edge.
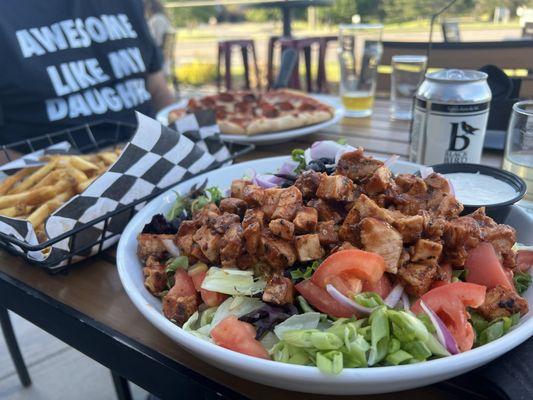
(450, 31)
(121, 385)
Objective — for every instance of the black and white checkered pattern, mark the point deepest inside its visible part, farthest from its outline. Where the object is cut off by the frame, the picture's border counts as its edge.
(33, 159)
(201, 128)
(155, 158)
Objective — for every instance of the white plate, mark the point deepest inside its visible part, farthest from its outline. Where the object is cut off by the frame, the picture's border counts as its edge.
(295, 377)
(274, 137)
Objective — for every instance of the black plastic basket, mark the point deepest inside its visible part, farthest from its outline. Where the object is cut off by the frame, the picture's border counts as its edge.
(85, 139)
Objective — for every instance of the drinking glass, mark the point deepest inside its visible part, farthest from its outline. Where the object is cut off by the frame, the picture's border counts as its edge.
(518, 156)
(407, 75)
(360, 50)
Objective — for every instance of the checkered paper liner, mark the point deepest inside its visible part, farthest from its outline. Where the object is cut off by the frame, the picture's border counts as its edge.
(156, 157)
(34, 159)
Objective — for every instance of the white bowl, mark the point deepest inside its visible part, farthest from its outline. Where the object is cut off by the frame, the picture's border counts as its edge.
(295, 377)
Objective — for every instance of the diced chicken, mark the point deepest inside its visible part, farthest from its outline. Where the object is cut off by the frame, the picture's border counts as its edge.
(207, 215)
(231, 246)
(306, 220)
(426, 252)
(233, 205)
(460, 235)
(343, 246)
(224, 221)
(271, 201)
(366, 207)
(308, 182)
(327, 233)
(279, 290)
(290, 201)
(410, 227)
(449, 207)
(278, 253)
(246, 261)
(379, 237)
(380, 181)
(179, 308)
(152, 245)
(253, 195)
(336, 187)
(237, 188)
(502, 302)
(433, 226)
(438, 182)
(209, 243)
(308, 247)
(417, 278)
(327, 211)
(356, 166)
(252, 237)
(253, 215)
(282, 228)
(155, 277)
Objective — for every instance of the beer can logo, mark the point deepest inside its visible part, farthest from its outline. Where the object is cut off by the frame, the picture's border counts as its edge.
(449, 133)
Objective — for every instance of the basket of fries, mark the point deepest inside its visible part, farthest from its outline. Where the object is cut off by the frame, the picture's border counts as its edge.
(68, 195)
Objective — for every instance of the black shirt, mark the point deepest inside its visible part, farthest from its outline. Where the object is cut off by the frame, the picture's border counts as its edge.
(70, 62)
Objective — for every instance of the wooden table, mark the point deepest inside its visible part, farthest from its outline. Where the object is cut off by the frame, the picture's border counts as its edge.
(89, 310)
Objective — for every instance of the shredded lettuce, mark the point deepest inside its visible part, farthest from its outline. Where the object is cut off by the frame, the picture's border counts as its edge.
(232, 282)
(495, 329)
(238, 306)
(522, 281)
(308, 320)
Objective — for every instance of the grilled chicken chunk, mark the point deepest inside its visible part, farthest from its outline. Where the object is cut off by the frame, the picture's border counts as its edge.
(290, 201)
(279, 290)
(379, 237)
(306, 220)
(410, 227)
(356, 166)
(327, 233)
(231, 246)
(278, 253)
(181, 301)
(155, 276)
(253, 195)
(327, 211)
(152, 245)
(209, 243)
(308, 182)
(336, 187)
(237, 188)
(417, 278)
(308, 247)
(282, 228)
(379, 181)
(233, 205)
(502, 302)
(425, 252)
(366, 207)
(222, 223)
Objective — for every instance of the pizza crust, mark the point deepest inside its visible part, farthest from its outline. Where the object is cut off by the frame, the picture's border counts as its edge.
(230, 128)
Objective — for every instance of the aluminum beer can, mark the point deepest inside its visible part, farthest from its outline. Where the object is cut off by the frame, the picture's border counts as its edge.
(450, 117)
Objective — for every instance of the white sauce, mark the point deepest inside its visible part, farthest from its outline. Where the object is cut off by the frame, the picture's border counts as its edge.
(478, 189)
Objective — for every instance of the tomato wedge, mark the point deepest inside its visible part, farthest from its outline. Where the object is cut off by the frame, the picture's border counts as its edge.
(483, 267)
(449, 302)
(349, 266)
(238, 336)
(322, 301)
(210, 298)
(183, 285)
(382, 287)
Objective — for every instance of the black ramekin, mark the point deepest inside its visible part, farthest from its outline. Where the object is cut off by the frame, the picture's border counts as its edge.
(497, 211)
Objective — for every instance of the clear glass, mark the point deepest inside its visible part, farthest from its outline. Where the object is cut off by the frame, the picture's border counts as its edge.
(360, 51)
(518, 156)
(407, 75)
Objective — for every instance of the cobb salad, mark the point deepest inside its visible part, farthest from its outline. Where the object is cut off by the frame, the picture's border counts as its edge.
(335, 262)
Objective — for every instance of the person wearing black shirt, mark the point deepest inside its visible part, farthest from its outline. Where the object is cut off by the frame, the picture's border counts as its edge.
(66, 63)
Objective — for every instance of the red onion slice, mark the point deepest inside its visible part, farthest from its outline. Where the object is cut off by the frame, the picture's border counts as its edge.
(394, 296)
(325, 149)
(333, 292)
(406, 302)
(389, 162)
(171, 247)
(425, 172)
(443, 334)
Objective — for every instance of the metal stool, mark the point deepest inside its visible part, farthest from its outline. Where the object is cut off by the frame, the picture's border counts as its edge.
(224, 52)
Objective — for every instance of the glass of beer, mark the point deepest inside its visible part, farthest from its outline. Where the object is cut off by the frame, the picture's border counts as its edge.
(518, 156)
(360, 51)
(407, 75)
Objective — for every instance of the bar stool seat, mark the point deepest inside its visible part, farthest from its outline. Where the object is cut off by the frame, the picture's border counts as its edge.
(225, 48)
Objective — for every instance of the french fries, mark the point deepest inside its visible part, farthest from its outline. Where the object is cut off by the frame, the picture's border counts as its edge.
(36, 192)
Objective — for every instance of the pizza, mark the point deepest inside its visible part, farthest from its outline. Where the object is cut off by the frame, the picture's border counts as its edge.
(251, 113)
